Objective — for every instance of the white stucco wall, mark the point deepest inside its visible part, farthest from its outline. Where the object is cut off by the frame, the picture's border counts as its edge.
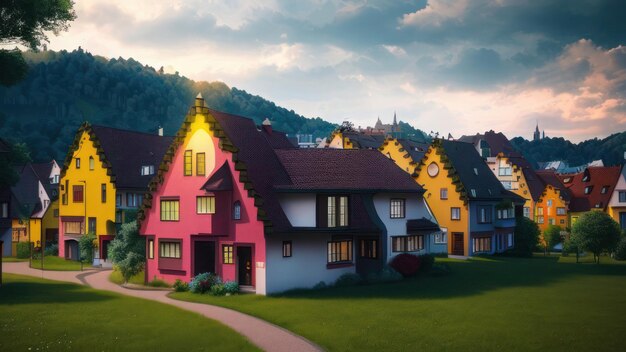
(621, 186)
(299, 208)
(336, 142)
(305, 268)
(43, 197)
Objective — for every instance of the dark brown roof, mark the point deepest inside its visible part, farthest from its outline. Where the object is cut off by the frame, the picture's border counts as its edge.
(221, 180)
(127, 151)
(423, 224)
(361, 170)
(597, 178)
(43, 171)
(549, 177)
(365, 141)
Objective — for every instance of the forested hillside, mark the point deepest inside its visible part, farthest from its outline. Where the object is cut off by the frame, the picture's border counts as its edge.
(63, 89)
(610, 149)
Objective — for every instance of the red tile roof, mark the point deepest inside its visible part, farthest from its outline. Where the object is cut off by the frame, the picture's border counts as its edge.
(594, 180)
(549, 177)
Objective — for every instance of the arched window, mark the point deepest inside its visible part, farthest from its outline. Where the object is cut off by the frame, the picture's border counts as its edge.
(237, 210)
(91, 163)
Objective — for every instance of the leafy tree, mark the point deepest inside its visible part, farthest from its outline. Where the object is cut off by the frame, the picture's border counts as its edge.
(127, 250)
(24, 22)
(596, 232)
(17, 155)
(526, 236)
(550, 238)
(87, 245)
(620, 251)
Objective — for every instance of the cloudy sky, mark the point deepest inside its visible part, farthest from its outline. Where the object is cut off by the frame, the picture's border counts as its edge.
(457, 67)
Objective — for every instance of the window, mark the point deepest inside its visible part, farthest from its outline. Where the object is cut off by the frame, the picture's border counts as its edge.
(147, 170)
(441, 237)
(473, 191)
(169, 250)
(588, 189)
(604, 189)
(336, 211)
(200, 164)
(205, 205)
(55, 213)
(5, 210)
(339, 251)
(476, 171)
(482, 244)
(286, 249)
(78, 163)
(585, 178)
(119, 217)
(397, 208)
(150, 249)
(103, 193)
(484, 215)
(72, 227)
(118, 200)
(187, 163)
(622, 196)
(91, 225)
(506, 213)
(443, 193)
(504, 171)
(92, 164)
(455, 213)
(560, 211)
(46, 202)
(237, 210)
(549, 203)
(574, 219)
(55, 179)
(527, 212)
(227, 254)
(169, 209)
(540, 219)
(507, 184)
(539, 210)
(133, 200)
(551, 221)
(368, 248)
(77, 194)
(510, 240)
(411, 243)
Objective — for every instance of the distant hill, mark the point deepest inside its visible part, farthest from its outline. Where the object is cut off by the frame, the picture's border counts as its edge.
(610, 149)
(63, 89)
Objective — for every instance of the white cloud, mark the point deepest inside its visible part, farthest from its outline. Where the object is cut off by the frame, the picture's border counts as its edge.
(436, 13)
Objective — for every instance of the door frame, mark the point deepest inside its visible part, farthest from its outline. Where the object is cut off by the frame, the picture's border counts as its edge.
(454, 236)
(252, 262)
(195, 239)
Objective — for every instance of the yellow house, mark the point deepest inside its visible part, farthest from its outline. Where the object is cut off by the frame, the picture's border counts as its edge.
(552, 207)
(406, 153)
(468, 201)
(104, 177)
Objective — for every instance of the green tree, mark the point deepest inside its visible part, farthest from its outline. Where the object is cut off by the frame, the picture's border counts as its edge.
(16, 154)
(526, 236)
(596, 232)
(87, 245)
(127, 250)
(25, 22)
(550, 238)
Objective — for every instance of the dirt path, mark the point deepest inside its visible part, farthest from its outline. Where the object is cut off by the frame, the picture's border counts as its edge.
(266, 336)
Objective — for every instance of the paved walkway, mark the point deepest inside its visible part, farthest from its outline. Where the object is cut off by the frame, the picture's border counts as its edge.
(266, 336)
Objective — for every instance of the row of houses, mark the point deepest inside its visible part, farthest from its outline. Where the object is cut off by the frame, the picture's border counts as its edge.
(227, 196)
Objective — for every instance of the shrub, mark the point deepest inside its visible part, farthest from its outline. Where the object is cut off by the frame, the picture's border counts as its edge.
(52, 250)
(526, 237)
(131, 266)
(568, 248)
(23, 250)
(348, 279)
(202, 283)
(440, 269)
(387, 274)
(218, 290)
(180, 286)
(320, 285)
(231, 287)
(620, 251)
(426, 262)
(87, 244)
(158, 283)
(596, 232)
(406, 264)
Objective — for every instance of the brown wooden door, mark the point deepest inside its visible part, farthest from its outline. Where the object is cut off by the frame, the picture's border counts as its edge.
(457, 244)
(244, 265)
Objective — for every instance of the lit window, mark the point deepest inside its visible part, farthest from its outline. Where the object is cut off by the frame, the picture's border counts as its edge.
(150, 249)
(169, 250)
(200, 164)
(72, 227)
(287, 249)
(482, 244)
(540, 219)
(443, 193)
(455, 213)
(336, 211)
(78, 163)
(205, 205)
(527, 212)
(147, 170)
(412, 243)
(188, 163)
(237, 210)
(368, 248)
(339, 251)
(227, 254)
(170, 209)
(397, 210)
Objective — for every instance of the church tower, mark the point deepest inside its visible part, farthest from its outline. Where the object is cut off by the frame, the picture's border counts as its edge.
(537, 134)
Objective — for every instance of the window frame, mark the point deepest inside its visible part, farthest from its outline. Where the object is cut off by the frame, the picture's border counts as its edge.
(170, 243)
(400, 206)
(92, 163)
(103, 193)
(151, 248)
(161, 211)
(621, 196)
(211, 201)
(228, 253)
(236, 210)
(77, 163)
(200, 171)
(452, 213)
(330, 212)
(407, 243)
(188, 163)
(479, 240)
(336, 244)
(443, 193)
(368, 248)
(287, 249)
(487, 210)
(82, 193)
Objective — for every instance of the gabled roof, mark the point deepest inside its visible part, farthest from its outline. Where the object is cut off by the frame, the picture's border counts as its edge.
(362, 170)
(416, 150)
(497, 142)
(43, 171)
(221, 180)
(365, 141)
(550, 178)
(26, 193)
(597, 178)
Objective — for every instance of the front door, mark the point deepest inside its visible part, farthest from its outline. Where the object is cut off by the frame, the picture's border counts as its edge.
(622, 220)
(244, 265)
(457, 243)
(204, 257)
(105, 249)
(368, 258)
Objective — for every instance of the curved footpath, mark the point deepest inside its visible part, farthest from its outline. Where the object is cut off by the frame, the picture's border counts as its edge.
(264, 335)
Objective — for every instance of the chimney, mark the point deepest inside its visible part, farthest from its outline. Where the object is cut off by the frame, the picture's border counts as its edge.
(267, 126)
(160, 131)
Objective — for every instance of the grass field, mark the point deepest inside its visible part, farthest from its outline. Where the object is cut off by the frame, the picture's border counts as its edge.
(504, 304)
(57, 264)
(38, 315)
(13, 259)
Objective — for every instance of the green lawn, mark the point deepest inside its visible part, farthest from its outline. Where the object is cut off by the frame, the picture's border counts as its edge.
(57, 264)
(13, 259)
(116, 277)
(503, 304)
(41, 315)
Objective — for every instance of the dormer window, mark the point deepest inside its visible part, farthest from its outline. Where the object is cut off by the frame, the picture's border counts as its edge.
(54, 179)
(476, 171)
(473, 191)
(147, 170)
(604, 190)
(588, 189)
(586, 178)
(237, 210)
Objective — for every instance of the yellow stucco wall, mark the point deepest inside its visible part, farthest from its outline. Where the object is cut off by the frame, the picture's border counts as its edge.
(338, 141)
(50, 221)
(519, 185)
(103, 212)
(542, 208)
(441, 207)
(393, 149)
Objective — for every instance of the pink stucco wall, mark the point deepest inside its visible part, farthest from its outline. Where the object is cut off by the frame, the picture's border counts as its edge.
(218, 227)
